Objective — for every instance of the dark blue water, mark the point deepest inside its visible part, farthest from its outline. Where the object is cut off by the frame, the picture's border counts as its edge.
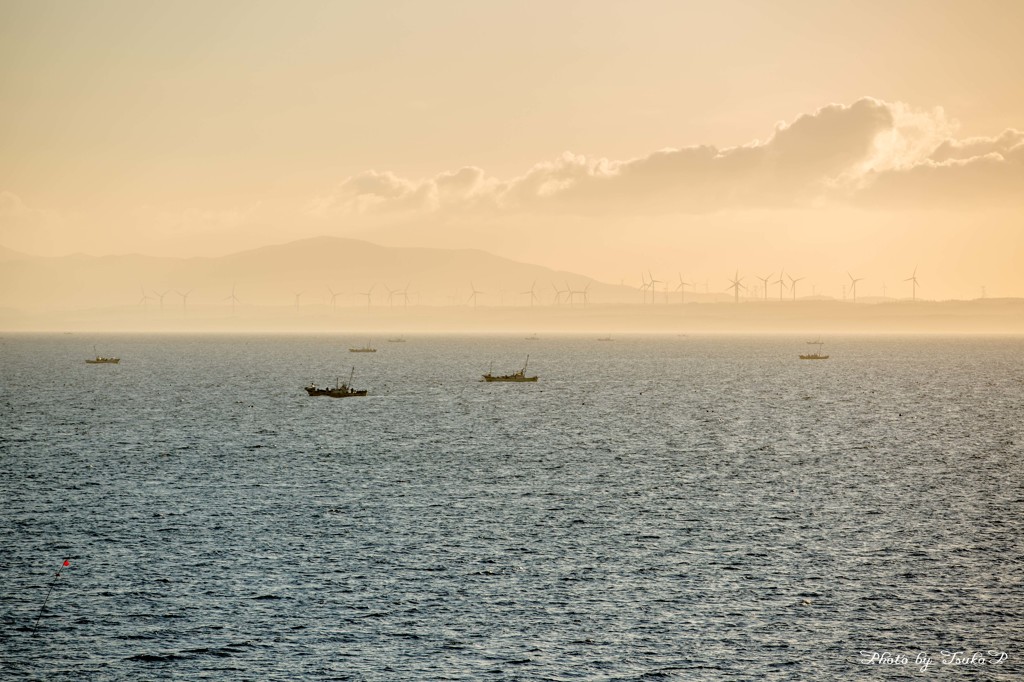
(653, 508)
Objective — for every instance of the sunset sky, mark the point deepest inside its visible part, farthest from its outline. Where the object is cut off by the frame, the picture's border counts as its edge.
(604, 138)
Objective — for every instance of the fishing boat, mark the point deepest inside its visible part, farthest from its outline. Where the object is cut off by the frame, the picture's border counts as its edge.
(364, 349)
(514, 376)
(340, 390)
(606, 338)
(816, 355)
(102, 360)
(397, 339)
(532, 337)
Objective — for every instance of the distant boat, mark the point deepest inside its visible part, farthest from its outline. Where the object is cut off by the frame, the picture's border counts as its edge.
(365, 349)
(514, 376)
(606, 338)
(816, 355)
(532, 337)
(397, 339)
(340, 390)
(102, 360)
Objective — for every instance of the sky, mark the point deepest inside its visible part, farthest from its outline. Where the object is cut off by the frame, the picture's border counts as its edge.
(829, 140)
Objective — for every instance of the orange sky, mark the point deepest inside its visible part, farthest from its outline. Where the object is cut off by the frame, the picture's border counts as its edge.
(605, 138)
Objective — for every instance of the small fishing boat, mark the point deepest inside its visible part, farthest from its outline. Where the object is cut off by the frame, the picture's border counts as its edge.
(364, 349)
(514, 376)
(102, 359)
(340, 390)
(816, 355)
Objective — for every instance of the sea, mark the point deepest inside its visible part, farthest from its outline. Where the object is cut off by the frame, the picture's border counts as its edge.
(652, 508)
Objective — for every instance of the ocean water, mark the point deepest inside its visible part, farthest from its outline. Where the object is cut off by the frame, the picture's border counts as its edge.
(691, 508)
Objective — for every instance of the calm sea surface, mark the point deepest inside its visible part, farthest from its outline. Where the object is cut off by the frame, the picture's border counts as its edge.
(691, 508)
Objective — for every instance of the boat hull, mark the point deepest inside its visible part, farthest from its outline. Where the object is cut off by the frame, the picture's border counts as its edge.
(334, 392)
(509, 379)
(814, 356)
(103, 361)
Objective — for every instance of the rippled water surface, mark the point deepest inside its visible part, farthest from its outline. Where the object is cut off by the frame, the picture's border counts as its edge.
(689, 508)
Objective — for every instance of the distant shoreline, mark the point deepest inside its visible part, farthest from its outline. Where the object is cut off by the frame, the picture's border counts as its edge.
(980, 316)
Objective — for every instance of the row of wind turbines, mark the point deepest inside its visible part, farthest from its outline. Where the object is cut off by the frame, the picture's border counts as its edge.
(392, 295)
(569, 296)
(736, 284)
(160, 295)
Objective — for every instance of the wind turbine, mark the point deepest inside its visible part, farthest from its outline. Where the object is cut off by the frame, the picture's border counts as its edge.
(571, 294)
(853, 283)
(913, 284)
(232, 298)
(474, 294)
(792, 284)
(765, 281)
(649, 274)
(781, 283)
(584, 292)
(334, 297)
(367, 295)
(160, 296)
(533, 295)
(298, 295)
(643, 287)
(558, 293)
(682, 289)
(391, 296)
(184, 300)
(736, 285)
(146, 298)
(404, 293)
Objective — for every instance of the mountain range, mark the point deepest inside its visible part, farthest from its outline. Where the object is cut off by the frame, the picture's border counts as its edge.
(336, 284)
(316, 270)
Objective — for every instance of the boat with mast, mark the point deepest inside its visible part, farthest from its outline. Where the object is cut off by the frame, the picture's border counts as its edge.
(519, 376)
(816, 355)
(340, 390)
(102, 359)
(364, 349)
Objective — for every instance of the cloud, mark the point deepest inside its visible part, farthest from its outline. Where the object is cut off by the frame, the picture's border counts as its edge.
(790, 168)
(974, 147)
(977, 173)
(863, 153)
(373, 192)
(15, 211)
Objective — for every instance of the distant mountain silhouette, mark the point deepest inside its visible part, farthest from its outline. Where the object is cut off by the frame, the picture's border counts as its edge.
(10, 254)
(272, 275)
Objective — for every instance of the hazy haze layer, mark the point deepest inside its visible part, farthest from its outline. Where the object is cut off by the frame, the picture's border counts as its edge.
(829, 141)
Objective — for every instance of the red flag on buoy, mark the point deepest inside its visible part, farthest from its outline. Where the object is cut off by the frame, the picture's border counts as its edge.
(67, 562)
